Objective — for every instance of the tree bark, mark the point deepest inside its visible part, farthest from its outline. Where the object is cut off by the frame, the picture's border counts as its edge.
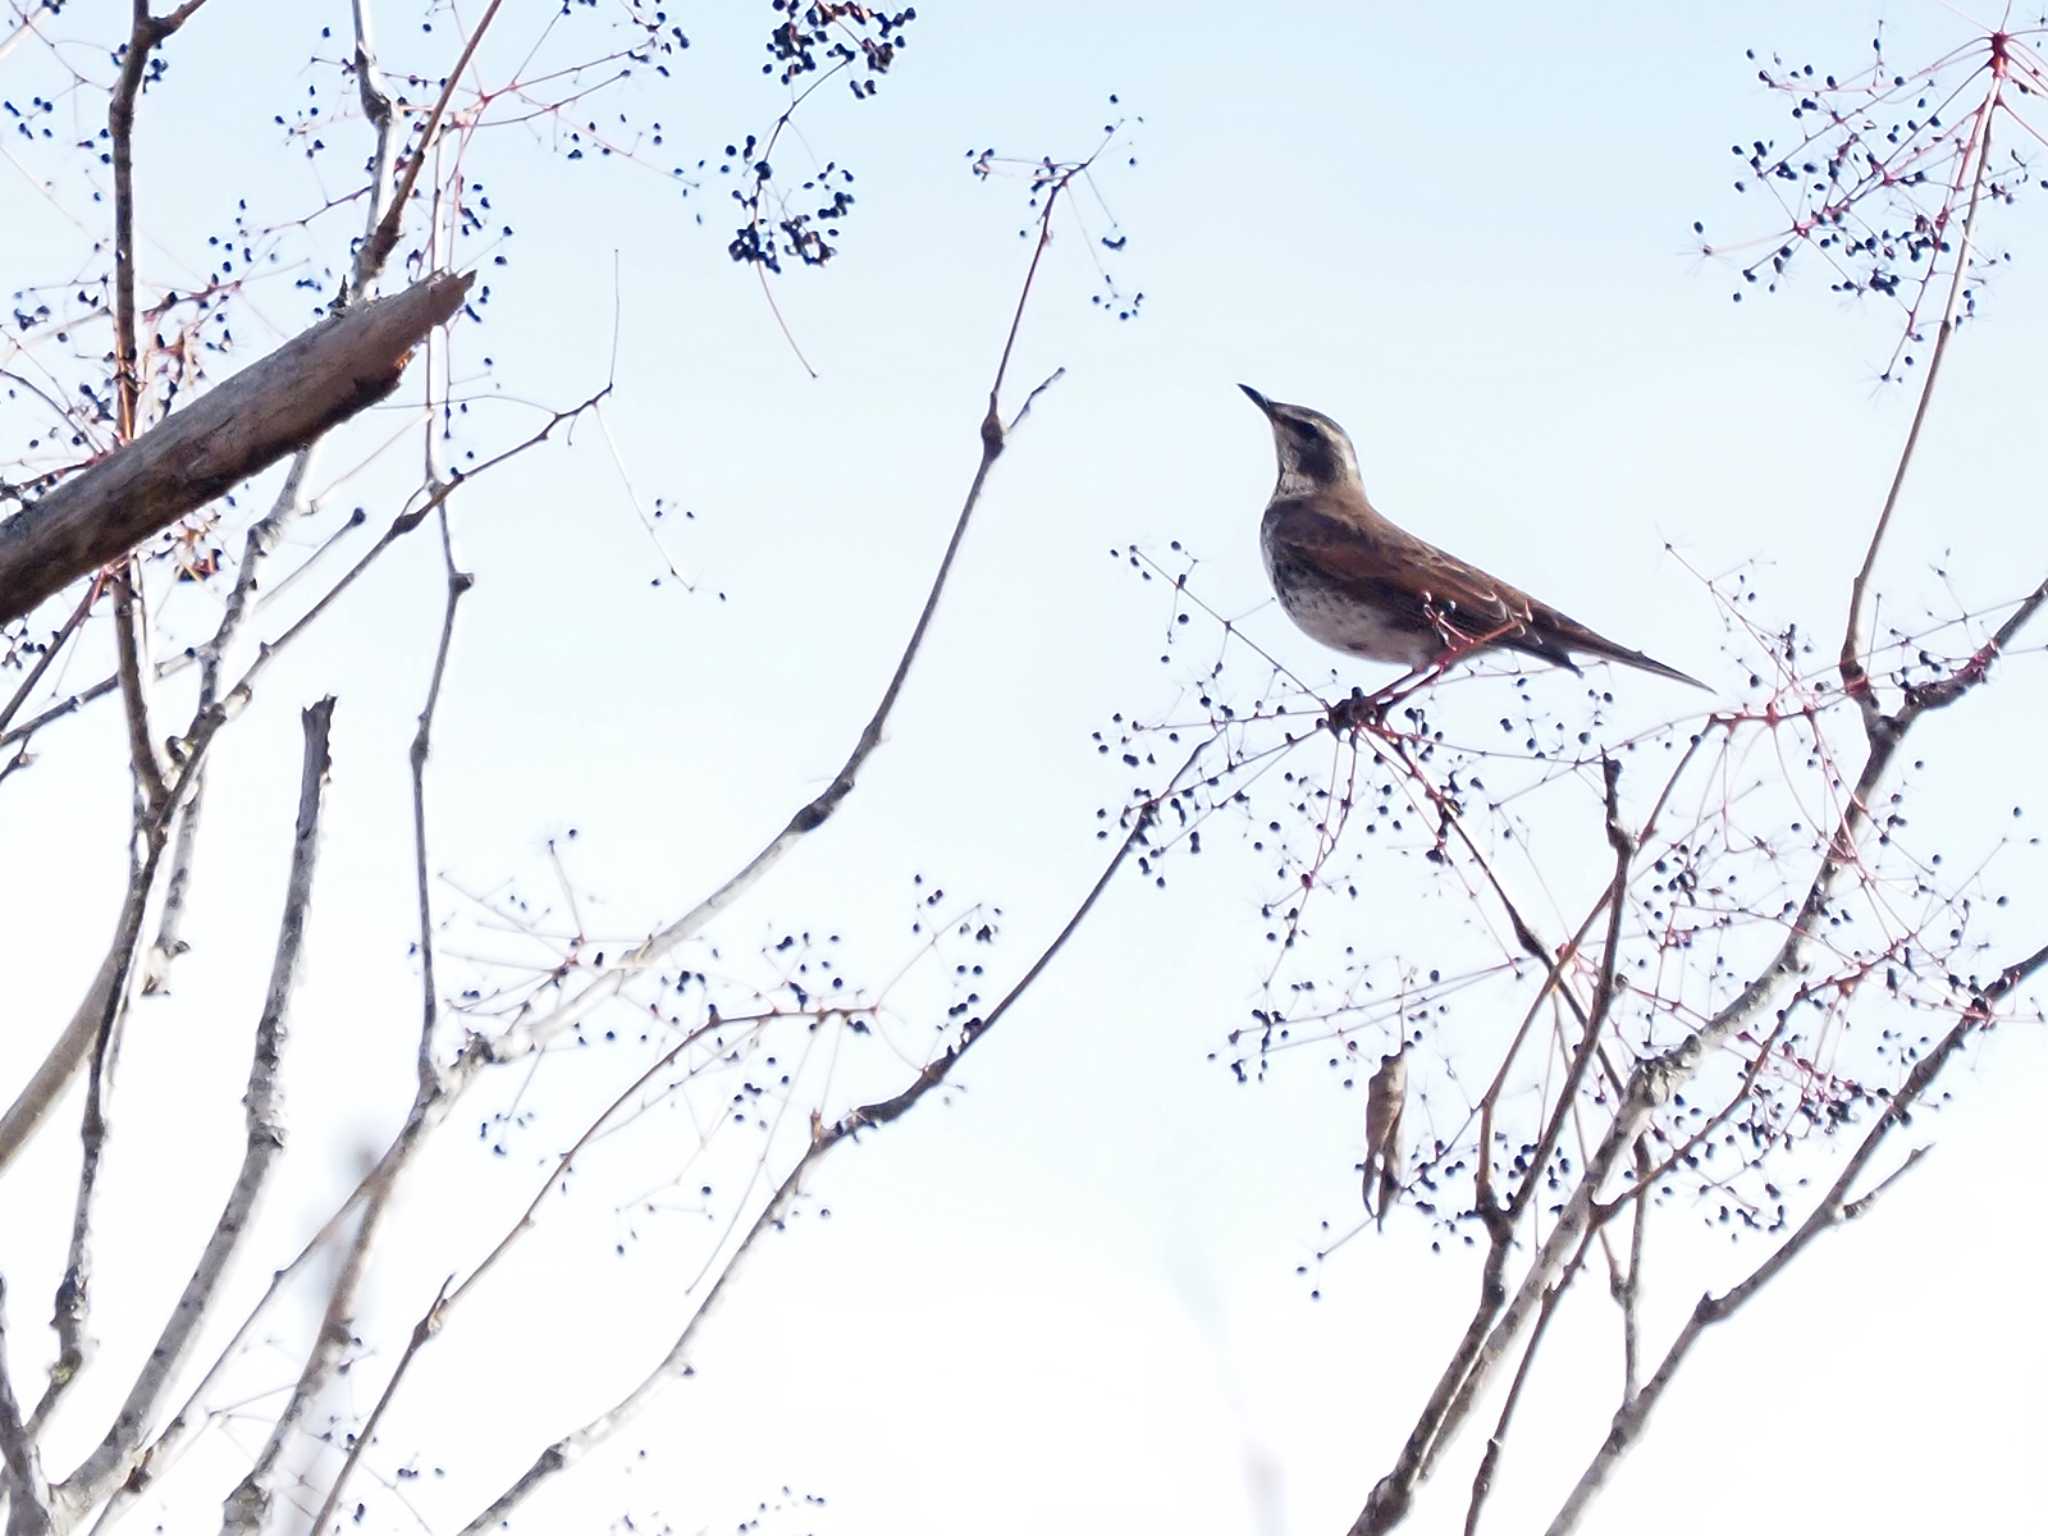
(311, 383)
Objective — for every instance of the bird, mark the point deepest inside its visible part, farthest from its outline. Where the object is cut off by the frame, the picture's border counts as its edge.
(1353, 580)
(1385, 1096)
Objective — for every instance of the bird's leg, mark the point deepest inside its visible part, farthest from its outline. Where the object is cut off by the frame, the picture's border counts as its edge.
(1367, 709)
(1361, 711)
(1411, 683)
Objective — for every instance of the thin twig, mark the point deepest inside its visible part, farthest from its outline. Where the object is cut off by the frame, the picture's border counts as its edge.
(132, 667)
(423, 1330)
(130, 620)
(1455, 1391)
(1652, 1083)
(91, 1034)
(49, 655)
(384, 238)
(1854, 679)
(675, 1364)
(247, 1506)
(1629, 1292)
(1834, 1208)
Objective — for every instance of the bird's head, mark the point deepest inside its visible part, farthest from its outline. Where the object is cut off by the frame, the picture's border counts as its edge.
(1314, 452)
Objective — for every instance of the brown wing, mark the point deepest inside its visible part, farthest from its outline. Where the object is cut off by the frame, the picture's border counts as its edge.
(1408, 579)
(1411, 580)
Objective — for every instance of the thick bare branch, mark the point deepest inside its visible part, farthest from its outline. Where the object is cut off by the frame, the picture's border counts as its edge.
(42, 1090)
(49, 655)
(248, 1504)
(459, 582)
(110, 1461)
(1482, 1480)
(312, 382)
(27, 1490)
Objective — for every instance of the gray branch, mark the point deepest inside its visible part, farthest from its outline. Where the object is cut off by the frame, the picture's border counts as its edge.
(314, 381)
(1835, 1208)
(28, 1493)
(109, 1462)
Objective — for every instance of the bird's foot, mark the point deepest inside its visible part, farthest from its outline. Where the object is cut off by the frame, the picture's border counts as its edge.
(1360, 711)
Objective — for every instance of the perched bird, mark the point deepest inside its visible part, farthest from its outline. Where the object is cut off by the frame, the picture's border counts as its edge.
(1384, 1097)
(1357, 583)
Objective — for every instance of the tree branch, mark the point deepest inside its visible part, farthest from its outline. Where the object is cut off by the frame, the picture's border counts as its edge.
(317, 379)
(28, 1492)
(1456, 1387)
(1632, 1418)
(108, 1463)
(384, 237)
(528, 1036)
(1482, 1480)
(675, 1365)
(290, 504)
(1854, 679)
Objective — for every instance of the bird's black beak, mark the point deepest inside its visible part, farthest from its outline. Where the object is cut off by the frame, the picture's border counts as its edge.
(1257, 399)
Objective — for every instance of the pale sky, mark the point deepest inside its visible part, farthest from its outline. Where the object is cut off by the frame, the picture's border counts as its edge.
(1068, 1291)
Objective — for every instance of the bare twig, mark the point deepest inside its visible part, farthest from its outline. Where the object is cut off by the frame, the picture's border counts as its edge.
(376, 102)
(249, 1503)
(459, 582)
(385, 236)
(675, 1365)
(132, 667)
(527, 1036)
(49, 655)
(247, 1506)
(131, 640)
(1628, 1290)
(162, 1453)
(58, 711)
(1854, 679)
(169, 942)
(27, 1490)
(423, 1330)
(1834, 1208)
(1456, 1388)
(90, 1022)
(1595, 1019)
